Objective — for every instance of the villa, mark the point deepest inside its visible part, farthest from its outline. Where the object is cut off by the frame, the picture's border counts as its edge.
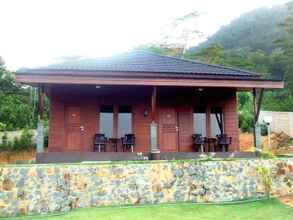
(161, 106)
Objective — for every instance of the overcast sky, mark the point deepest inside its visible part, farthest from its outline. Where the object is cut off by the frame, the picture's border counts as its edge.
(37, 32)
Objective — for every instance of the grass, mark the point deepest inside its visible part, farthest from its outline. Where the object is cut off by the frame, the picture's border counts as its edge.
(260, 210)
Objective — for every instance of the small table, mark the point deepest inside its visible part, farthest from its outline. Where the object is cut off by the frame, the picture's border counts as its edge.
(114, 143)
(210, 144)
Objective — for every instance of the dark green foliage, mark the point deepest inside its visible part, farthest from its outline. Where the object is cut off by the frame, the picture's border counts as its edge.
(2, 126)
(162, 49)
(16, 104)
(256, 61)
(214, 54)
(278, 100)
(285, 44)
(257, 30)
(15, 112)
(26, 139)
(5, 145)
(245, 111)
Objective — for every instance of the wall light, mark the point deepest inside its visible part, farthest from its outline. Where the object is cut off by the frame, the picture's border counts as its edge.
(145, 113)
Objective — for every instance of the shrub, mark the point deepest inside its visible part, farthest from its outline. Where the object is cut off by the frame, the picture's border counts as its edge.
(266, 178)
(267, 155)
(4, 146)
(24, 142)
(26, 139)
(16, 144)
(245, 121)
(2, 126)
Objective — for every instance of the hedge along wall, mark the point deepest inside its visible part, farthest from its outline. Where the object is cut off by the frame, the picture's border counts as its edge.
(52, 188)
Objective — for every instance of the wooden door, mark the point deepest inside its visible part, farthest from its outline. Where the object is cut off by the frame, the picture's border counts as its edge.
(168, 124)
(73, 129)
(185, 124)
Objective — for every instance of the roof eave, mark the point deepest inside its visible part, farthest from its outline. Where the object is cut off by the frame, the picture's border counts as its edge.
(133, 79)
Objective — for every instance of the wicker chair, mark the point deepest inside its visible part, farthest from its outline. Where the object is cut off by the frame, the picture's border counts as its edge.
(198, 142)
(128, 142)
(100, 142)
(224, 141)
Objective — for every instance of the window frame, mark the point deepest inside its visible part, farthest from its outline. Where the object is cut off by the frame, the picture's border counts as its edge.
(219, 115)
(100, 119)
(115, 126)
(131, 118)
(202, 110)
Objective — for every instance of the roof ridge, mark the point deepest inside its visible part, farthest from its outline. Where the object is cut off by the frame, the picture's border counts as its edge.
(198, 62)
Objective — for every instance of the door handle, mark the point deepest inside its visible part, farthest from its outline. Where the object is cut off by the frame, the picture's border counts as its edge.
(81, 128)
(177, 128)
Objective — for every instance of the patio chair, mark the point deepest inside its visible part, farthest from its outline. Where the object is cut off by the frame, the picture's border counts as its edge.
(198, 142)
(100, 142)
(128, 142)
(224, 141)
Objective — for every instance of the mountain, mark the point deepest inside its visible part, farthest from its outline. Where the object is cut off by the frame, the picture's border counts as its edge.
(255, 30)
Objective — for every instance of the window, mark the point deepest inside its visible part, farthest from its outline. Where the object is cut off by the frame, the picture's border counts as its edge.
(124, 120)
(106, 120)
(199, 120)
(217, 121)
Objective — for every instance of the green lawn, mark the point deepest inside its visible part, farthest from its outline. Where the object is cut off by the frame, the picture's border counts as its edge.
(266, 210)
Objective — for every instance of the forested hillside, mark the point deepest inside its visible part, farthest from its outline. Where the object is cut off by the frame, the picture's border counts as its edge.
(256, 30)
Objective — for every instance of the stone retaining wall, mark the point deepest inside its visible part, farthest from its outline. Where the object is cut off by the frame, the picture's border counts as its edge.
(52, 188)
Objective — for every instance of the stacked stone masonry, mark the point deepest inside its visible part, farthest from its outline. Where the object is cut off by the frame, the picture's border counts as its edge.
(36, 189)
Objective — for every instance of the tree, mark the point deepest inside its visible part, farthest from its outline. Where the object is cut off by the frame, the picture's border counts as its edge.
(15, 102)
(214, 54)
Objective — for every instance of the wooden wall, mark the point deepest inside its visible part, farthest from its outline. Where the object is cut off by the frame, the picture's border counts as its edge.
(89, 99)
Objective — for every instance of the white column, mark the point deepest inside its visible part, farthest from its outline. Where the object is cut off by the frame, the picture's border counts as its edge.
(40, 127)
(257, 137)
(40, 136)
(154, 137)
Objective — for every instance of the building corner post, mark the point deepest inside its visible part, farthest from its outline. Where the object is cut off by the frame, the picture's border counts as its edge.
(40, 136)
(154, 147)
(256, 126)
(40, 126)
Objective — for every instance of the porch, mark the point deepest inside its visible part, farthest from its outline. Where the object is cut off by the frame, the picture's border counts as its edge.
(78, 113)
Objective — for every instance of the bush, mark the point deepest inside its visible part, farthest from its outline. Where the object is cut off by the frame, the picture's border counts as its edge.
(2, 126)
(24, 142)
(245, 121)
(5, 145)
(266, 178)
(16, 144)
